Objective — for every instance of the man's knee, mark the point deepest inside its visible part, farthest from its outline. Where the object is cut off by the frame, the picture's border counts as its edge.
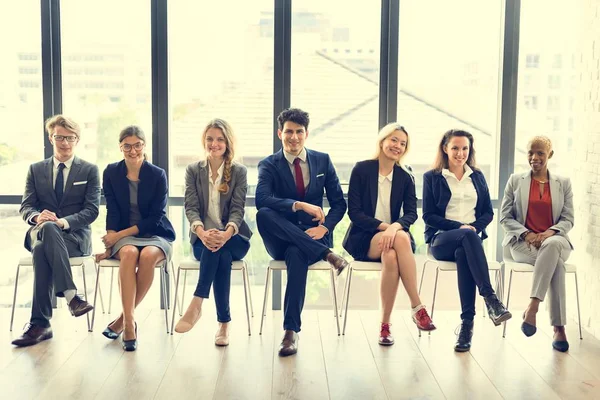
(49, 229)
(293, 253)
(265, 215)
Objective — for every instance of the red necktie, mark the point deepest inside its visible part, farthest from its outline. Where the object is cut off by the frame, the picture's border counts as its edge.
(299, 178)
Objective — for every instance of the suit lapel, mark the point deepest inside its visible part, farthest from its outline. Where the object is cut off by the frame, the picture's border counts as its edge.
(286, 174)
(556, 198)
(49, 178)
(203, 177)
(525, 186)
(373, 185)
(396, 191)
(75, 167)
(312, 171)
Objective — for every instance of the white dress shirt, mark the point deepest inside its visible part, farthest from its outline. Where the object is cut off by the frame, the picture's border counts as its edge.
(383, 211)
(463, 201)
(213, 218)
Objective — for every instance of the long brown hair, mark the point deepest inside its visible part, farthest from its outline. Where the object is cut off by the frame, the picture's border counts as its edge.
(441, 159)
(229, 154)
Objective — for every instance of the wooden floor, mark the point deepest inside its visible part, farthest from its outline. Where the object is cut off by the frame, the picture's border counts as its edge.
(76, 364)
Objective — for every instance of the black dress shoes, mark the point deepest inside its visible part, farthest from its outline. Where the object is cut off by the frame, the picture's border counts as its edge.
(79, 307)
(33, 334)
(338, 263)
(463, 339)
(110, 334)
(131, 345)
(496, 310)
(289, 344)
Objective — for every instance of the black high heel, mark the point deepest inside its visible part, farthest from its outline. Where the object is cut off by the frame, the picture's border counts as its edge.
(131, 345)
(110, 334)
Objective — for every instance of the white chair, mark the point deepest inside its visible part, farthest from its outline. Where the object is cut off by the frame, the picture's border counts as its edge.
(361, 266)
(74, 261)
(514, 266)
(194, 265)
(495, 266)
(275, 265)
(114, 263)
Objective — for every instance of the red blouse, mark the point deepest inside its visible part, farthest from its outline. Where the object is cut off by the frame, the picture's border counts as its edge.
(539, 210)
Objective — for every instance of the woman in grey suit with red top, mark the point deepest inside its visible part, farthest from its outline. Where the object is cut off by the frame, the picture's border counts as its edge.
(537, 214)
(215, 196)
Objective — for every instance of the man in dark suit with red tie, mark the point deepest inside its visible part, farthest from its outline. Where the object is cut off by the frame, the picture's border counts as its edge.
(290, 218)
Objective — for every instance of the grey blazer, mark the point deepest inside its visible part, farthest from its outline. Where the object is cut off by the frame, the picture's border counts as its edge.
(513, 210)
(232, 203)
(79, 204)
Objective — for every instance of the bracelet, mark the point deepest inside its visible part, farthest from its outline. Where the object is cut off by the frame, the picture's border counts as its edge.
(524, 234)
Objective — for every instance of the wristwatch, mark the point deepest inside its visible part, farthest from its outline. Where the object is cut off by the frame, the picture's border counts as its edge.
(524, 234)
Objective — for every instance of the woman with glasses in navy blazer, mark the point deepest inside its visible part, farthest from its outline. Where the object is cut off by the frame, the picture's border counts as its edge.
(379, 188)
(456, 209)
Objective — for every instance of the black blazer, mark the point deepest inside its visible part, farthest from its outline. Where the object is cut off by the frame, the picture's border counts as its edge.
(436, 195)
(152, 200)
(362, 201)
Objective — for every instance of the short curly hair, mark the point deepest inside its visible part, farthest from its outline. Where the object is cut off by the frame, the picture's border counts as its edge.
(544, 140)
(295, 115)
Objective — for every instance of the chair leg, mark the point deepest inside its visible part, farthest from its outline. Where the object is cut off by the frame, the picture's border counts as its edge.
(100, 291)
(85, 294)
(423, 275)
(335, 304)
(163, 276)
(249, 289)
(246, 299)
(112, 274)
(266, 296)
(176, 300)
(12, 314)
(347, 295)
(344, 295)
(95, 296)
(507, 300)
(183, 291)
(175, 306)
(437, 273)
(578, 312)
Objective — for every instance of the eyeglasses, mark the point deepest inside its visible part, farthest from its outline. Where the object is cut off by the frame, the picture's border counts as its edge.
(127, 147)
(60, 138)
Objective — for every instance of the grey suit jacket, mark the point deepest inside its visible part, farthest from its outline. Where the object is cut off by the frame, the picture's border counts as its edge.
(513, 210)
(79, 204)
(232, 203)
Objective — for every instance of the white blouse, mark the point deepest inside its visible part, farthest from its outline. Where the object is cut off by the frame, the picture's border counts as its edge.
(463, 201)
(384, 194)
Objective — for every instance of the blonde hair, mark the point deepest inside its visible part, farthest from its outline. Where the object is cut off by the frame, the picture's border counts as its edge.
(229, 154)
(65, 122)
(544, 140)
(386, 132)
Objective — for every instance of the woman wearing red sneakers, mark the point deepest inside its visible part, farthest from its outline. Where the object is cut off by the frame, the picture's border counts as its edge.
(379, 188)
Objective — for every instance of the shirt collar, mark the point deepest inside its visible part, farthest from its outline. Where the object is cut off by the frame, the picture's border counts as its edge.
(290, 158)
(467, 169)
(389, 177)
(219, 171)
(67, 163)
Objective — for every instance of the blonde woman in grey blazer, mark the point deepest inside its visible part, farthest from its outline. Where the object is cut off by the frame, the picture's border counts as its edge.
(537, 215)
(215, 196)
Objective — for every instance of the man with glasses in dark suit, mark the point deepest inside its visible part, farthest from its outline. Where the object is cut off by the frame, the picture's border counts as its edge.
(61, 200)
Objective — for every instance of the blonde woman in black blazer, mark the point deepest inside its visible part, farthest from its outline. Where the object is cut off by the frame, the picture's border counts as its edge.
(215, 196)
(379, 188)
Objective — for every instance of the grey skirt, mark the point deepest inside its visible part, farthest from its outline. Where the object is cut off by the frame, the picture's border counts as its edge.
(156, 241)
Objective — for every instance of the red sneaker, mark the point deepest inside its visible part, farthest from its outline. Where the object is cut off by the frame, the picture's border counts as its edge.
(385, 337)
(422, 320)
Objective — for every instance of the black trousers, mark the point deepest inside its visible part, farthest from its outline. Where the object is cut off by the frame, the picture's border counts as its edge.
(465, 248)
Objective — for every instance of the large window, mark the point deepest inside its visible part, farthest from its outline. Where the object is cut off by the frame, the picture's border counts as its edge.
(106, 73)
(335, 77)
(553, 53)
(448, 78)
(221, 66)
(21, 138)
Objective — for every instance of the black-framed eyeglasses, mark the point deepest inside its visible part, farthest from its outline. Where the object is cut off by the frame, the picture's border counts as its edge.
(60, 138)
(127, 147)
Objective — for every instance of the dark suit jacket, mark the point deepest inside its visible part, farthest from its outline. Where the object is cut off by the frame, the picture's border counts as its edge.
(362, 202)
(232, 203)
(436, 195)
(276, 189)
(152, 200)
(79, 204)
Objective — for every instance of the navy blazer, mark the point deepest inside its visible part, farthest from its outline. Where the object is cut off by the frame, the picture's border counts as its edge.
(436, 195)
(152, 200)
(276, 189)
(362, 202)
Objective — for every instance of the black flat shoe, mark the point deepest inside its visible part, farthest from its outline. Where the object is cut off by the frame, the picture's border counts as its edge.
(110, 334)
(528, 329)
(131, 345)
(560, 345)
